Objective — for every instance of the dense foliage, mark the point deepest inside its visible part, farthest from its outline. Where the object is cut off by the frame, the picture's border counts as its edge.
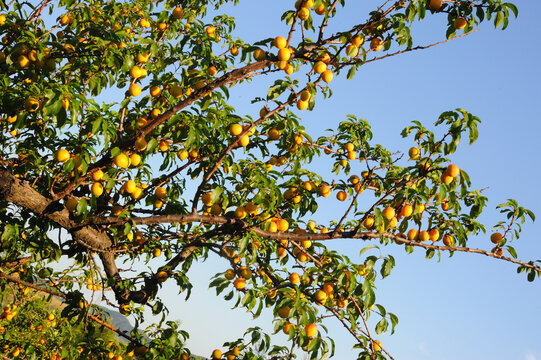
(120, 147)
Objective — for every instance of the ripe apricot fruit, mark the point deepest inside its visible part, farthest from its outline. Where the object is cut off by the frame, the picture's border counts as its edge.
(284, 55)
(320, 296)
(320, 67)
(62, 155)
(260, 55)
(369, 222)
(229, 274)
(245, 140)
(376, 44)
(155, 91)
(96, 189)
(245, 272)
(287, 327)
(327, 76)
(448, 240)
(324, 190)
(301, 104)
(163, 146)
(280, 42)
(216, 354)
(135, 159)
(303, 13)
(352, 50)
(137, 72)
(162, 276)
(413, 234)
(406, 210)
(496, 237)
(284, 312)
(341, 195)
(140, 144)
(212, 70)
(282, 225)
(446, 179)
(142, 58)
(434, 5)
(122, 161)
(414, 152)
(305, 95)
(434, 234)
(452, 170)
(160, 192)
(207, 199)
(357, 40)
(294, 278)
(175, 91)
(178, 12)
(239, 283)
(388, 213)
(311, 330)
(134, 90)
(424, 236)
(97, 175)
(460, 23)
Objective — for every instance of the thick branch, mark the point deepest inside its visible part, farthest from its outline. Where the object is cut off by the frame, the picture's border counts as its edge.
(22, 194)
(239, 225)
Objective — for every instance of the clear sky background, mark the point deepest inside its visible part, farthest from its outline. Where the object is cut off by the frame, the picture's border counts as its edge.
(466, 307)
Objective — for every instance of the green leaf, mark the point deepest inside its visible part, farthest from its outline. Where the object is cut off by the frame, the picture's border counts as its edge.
(152, 144)
(381, 326)
(82, 207)
(480, 13)
(530, 214)
(531, 275)
(351, 73)
(498, 19)
(8, 234)
(115, 151)
(512, 7)
(243, 244)
(128, 63)
(474, 134)
(365, 249)
(394, 321)
(247, 298)
(387, 266)
(53, 106)
(61, 117)
(229, 296)
(451, 32)
(215, 195)
(511, 251)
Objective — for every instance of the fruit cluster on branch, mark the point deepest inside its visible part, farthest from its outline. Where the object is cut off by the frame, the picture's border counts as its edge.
(120, 144)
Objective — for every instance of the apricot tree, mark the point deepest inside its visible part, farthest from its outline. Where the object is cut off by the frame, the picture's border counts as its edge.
(123, 161)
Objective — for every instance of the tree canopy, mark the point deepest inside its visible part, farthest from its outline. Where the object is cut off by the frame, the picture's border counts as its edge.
(123, 161)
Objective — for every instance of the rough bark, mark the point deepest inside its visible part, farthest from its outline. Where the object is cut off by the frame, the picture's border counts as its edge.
(21, 194)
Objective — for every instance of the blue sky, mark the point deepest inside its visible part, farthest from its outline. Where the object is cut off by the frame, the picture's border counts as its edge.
(468, 306)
